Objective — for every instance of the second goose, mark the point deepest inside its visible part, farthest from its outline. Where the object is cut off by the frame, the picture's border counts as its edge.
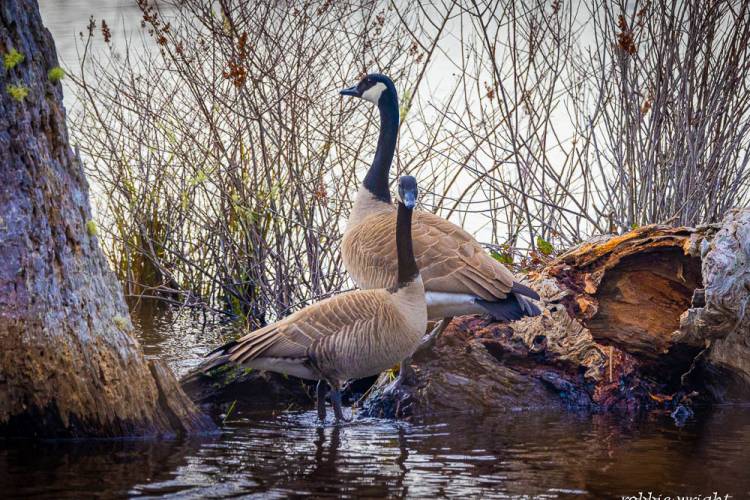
(349, 336)
(459, 276)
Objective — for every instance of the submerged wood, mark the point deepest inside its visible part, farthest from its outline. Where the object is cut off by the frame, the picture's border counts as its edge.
(69, 365)
(236, 387)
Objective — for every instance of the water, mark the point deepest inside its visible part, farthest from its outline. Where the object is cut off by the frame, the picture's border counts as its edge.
(67, 18)
(548, 455)
(274, 454)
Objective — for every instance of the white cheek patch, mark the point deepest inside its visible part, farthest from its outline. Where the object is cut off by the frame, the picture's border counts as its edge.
(373, 93)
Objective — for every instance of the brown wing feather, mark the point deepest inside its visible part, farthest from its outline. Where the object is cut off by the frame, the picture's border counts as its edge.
(294, 335)
(449, 258)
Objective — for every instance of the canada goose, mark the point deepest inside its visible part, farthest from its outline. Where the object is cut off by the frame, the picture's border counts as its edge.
(459, 276)
(353, 335)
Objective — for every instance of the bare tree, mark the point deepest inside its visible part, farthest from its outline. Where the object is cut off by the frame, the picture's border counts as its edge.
(225, 161)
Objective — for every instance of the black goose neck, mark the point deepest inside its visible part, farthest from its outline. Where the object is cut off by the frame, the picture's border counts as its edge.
(376, 180)
(407, 266)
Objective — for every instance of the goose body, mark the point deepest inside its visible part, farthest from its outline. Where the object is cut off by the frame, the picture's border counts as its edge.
(459, 276)
(348, 336)
(455, 269)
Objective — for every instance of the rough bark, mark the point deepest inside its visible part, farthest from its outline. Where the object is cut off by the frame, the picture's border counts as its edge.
(627, 326)
(69, 365)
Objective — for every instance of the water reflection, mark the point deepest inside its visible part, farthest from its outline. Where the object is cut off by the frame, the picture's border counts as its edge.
(180, 336)
(550, 455)
(67, 469)
(507, 454)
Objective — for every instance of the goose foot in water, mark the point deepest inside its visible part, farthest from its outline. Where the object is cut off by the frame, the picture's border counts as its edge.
(336, 402)
(320, 399)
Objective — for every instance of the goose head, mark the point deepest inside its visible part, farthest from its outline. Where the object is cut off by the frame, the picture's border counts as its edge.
(376, 88)
(408, 191)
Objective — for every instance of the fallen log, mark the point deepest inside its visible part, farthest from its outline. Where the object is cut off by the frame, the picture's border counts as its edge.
(654, 318)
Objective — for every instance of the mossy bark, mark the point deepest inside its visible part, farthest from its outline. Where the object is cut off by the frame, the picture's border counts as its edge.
(69, 365)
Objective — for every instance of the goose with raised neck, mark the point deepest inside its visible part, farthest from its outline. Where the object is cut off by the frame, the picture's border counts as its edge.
(374, 195)
(460, 277)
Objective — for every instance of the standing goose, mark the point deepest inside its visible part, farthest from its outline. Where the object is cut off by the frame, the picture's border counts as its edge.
(349, 336)
(459, 276)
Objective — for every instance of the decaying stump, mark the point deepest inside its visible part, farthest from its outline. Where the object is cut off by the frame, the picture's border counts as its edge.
(69, 365)
(722, 322)
(627, 326)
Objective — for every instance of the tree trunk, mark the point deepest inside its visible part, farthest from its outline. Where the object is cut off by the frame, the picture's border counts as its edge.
(69, 365)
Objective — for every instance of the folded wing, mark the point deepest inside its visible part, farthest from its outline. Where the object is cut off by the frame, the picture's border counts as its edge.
(449, 259)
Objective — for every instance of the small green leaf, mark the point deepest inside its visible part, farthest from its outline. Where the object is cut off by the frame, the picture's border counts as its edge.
(544, 246)
(199, 178)
(91, 228)
(12, 59)
(56, 74)
(502, 257)
(229, 411)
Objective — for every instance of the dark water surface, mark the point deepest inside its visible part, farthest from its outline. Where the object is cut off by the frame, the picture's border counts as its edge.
(274, 455)
(545, 455)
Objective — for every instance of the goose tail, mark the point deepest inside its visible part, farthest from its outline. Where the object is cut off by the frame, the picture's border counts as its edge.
(218, 357)
(214, 359)
(521, 289)
(516, 306)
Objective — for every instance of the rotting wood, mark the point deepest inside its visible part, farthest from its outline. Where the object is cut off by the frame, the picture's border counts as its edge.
(625, 328)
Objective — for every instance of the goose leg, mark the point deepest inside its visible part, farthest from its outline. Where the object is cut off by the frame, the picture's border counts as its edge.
(405, 371)
(429, 340)
(336, 401)
(320, 399)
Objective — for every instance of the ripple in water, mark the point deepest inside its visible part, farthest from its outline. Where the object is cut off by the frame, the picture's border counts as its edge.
(276, 455)
(546, 455)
